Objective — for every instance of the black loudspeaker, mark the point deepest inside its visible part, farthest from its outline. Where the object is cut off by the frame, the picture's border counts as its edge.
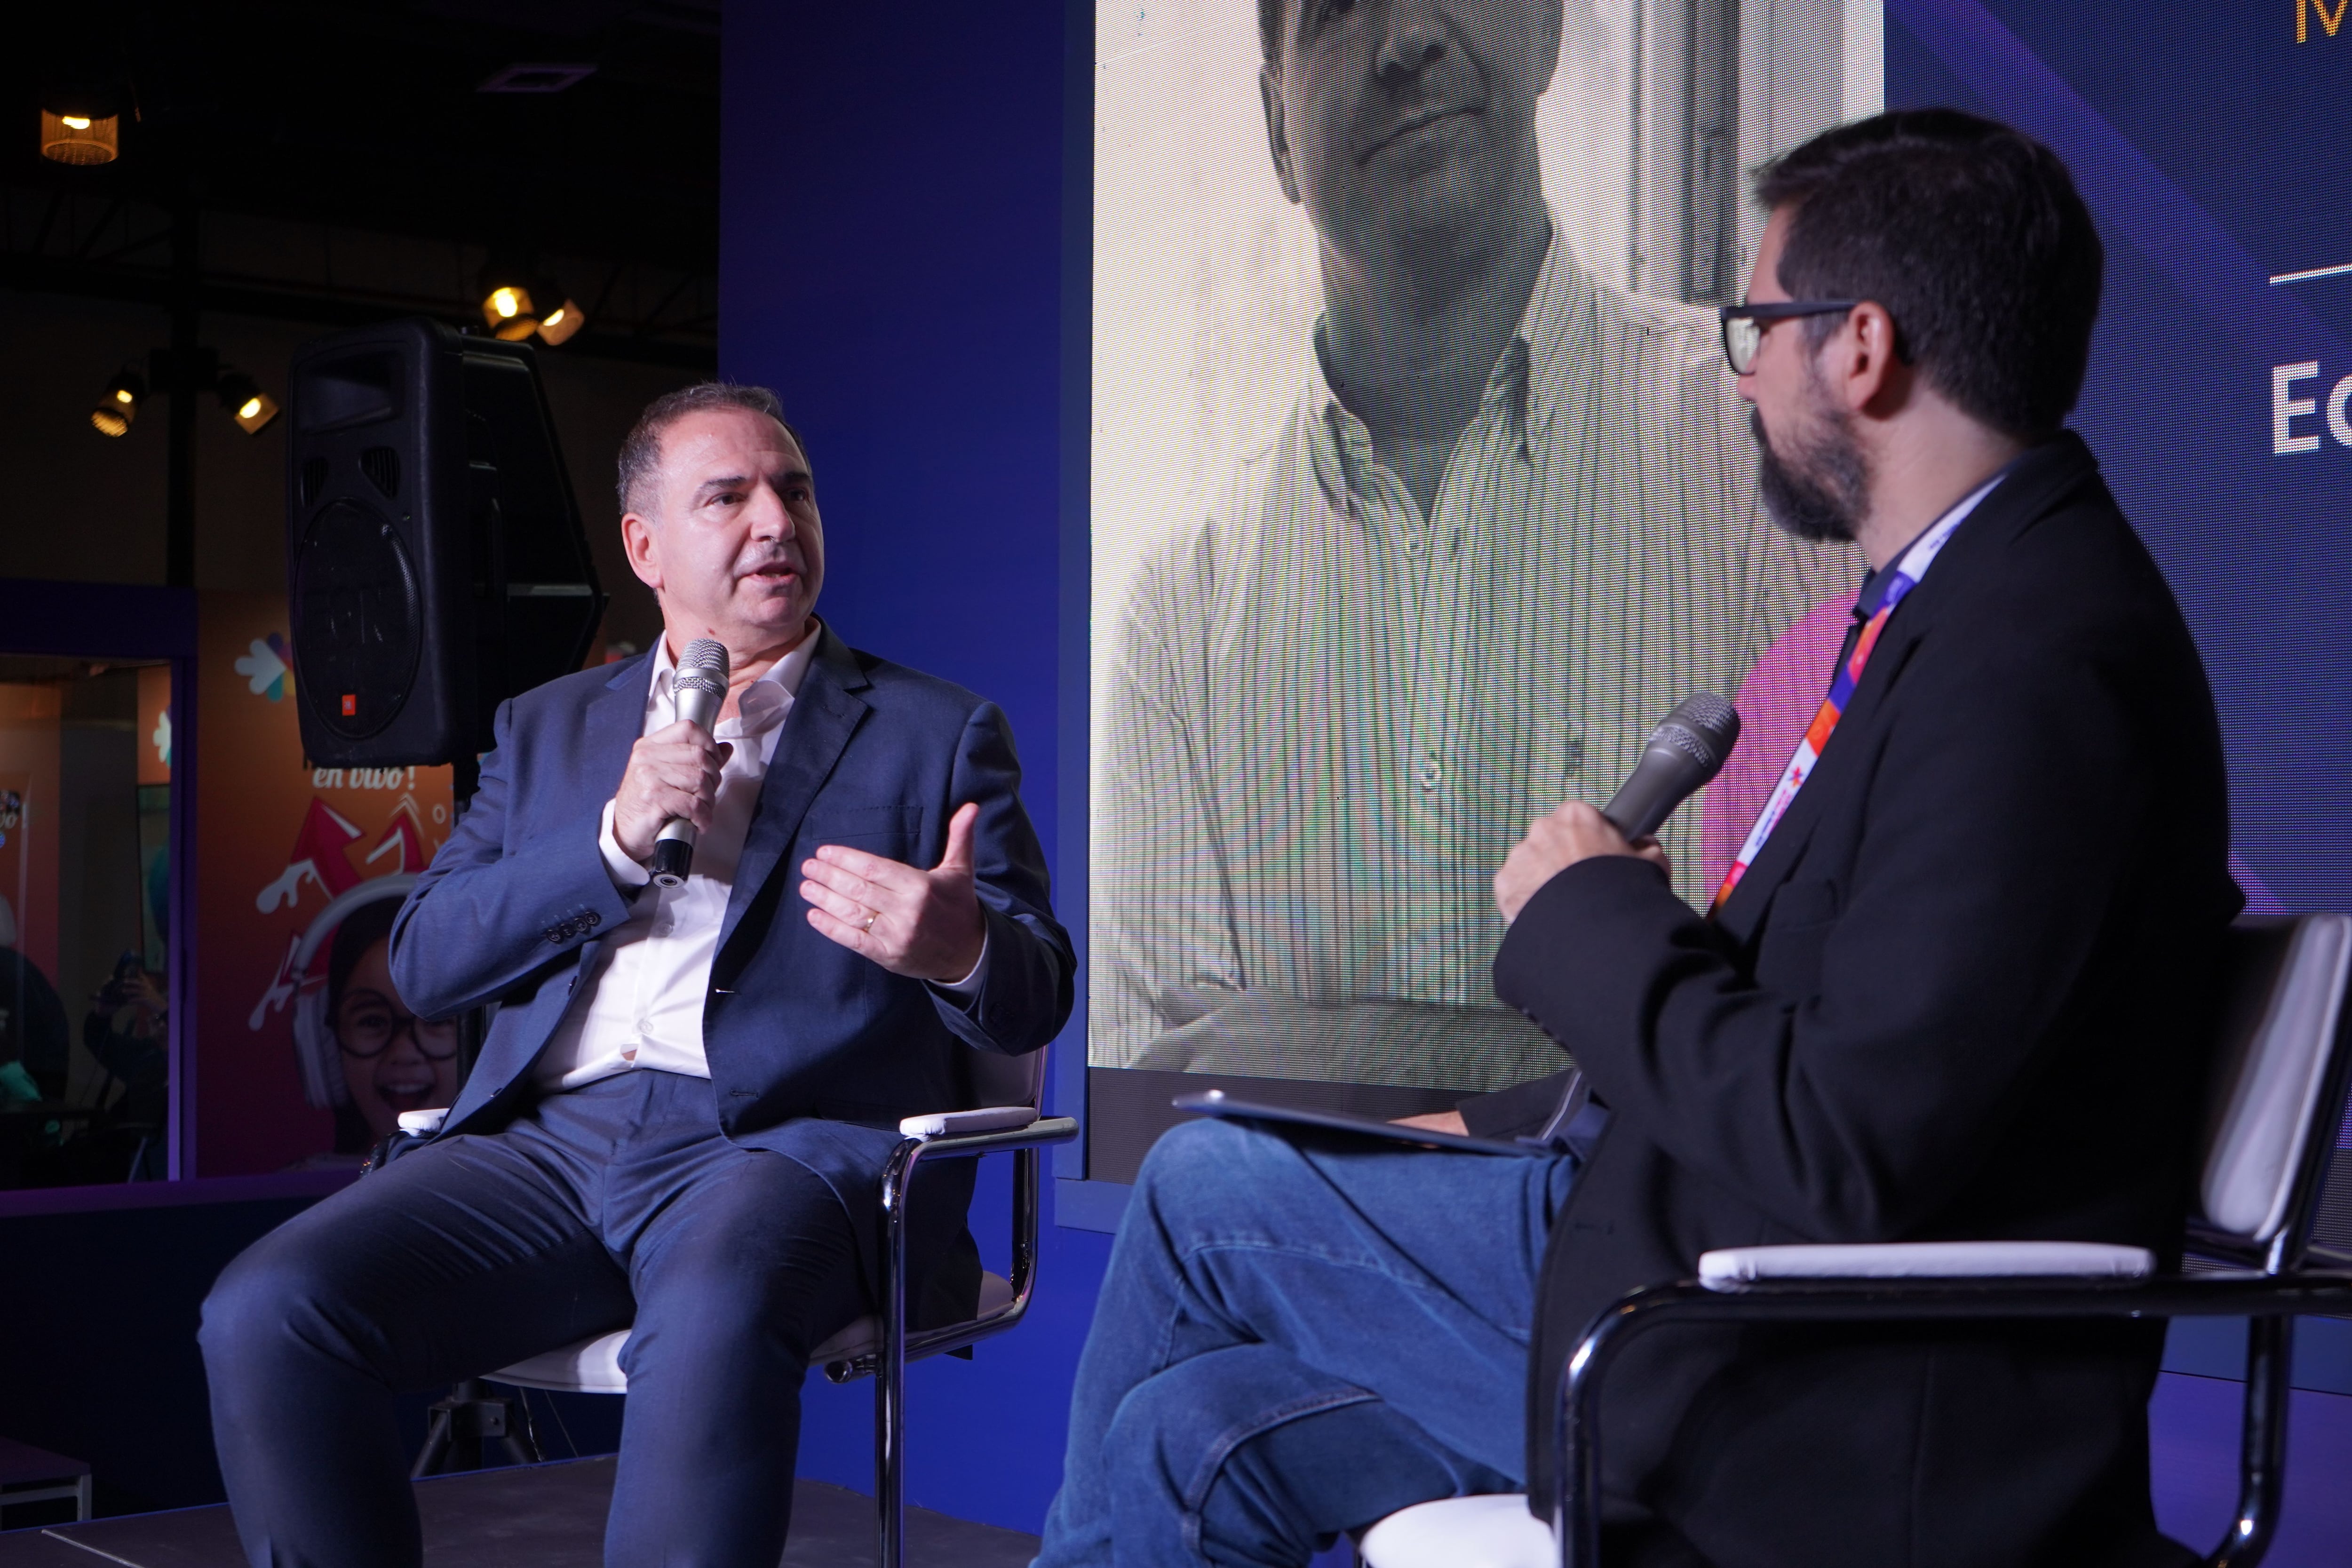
(435, 556)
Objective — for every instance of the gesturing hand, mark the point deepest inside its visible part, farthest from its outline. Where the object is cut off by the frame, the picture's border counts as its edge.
(923, 924)
(1575, 832)
(674, 771)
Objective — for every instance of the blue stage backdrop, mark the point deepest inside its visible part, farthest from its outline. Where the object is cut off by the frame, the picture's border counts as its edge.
(2207, 139)
(891, 264)
(899, 194)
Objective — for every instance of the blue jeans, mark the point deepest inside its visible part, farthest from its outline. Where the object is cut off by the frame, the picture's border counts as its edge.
(1296, 1339)
(619, 1199)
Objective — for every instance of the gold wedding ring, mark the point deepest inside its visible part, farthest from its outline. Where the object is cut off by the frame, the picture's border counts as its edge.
(871, 916)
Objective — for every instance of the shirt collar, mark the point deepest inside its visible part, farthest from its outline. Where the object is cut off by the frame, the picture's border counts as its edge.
(1914, 559)
(1553, 343)
(763, 704)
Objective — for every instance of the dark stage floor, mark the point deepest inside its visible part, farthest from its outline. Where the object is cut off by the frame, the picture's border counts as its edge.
(531, 1516)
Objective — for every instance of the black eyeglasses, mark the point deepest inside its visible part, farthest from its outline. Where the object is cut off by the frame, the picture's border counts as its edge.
(1743, 325)
(368, 1030)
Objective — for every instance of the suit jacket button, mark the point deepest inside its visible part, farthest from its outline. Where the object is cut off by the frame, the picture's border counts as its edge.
(593, 920)
(554, 935)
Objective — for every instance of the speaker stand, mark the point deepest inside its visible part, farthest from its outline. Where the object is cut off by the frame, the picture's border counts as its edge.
(466, 1421)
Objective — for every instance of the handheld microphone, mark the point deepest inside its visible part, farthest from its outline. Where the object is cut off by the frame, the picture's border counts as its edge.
(700, 688)
(1689, 747)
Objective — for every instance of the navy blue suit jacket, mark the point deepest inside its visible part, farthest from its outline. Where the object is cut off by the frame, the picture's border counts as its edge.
(815, 1051)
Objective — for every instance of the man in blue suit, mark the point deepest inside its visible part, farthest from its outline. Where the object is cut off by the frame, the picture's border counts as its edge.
(687, 1095)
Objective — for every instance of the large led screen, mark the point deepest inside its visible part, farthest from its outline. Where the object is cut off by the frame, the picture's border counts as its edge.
(1420, 492)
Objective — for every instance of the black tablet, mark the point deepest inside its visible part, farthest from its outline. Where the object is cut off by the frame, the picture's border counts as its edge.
(1217, 1103)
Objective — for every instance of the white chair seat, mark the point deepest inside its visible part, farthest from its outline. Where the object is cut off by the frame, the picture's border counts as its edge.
(1734, 1266)
(1493, 1532)
(593, 1366)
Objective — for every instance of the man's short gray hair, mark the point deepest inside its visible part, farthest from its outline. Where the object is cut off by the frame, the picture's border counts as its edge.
(641, 451)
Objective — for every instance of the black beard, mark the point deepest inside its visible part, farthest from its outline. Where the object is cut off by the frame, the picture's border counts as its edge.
(1825, 494)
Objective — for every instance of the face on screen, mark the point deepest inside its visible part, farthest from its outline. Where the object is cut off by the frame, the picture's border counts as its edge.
(1390, 119)
(734, 547)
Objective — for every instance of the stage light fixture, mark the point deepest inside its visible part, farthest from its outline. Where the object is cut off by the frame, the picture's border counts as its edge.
(78, 138)
(560, 323)
(507, 306)
(251, 408)
(120, 407)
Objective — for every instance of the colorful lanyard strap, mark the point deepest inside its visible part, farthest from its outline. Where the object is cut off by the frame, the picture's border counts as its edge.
(1905, 576)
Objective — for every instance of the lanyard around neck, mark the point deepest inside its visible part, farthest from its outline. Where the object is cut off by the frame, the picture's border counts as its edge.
(1907, 572)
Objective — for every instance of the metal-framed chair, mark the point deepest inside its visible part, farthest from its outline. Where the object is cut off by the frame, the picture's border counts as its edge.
(881, 1345)
(2277, 1095)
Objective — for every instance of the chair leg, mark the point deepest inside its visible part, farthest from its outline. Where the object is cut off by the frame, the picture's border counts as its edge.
(2261, 1454)
(890, 1373)
(81, 1498)
(889, 1455)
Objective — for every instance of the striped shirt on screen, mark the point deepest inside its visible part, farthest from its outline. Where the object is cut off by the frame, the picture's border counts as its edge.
(1327, 717)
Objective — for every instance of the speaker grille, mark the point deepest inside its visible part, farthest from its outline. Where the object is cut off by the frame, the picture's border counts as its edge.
(358, 623)
(381, 466)
(314, 481)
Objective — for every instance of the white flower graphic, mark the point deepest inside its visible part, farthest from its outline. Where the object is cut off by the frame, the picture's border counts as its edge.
(162, 737)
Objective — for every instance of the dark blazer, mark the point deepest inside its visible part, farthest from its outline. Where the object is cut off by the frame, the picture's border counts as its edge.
(1961, 993)
(815, 1051)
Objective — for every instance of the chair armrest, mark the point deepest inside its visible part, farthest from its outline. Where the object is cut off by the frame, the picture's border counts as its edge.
(944, 1123)
(1737, 1267)
(1576, 1445)
(1036, 1135)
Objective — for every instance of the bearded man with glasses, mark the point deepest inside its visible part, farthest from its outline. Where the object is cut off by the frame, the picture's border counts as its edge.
(1956, 987)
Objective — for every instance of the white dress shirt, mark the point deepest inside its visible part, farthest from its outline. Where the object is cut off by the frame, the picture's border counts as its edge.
(642, 1005)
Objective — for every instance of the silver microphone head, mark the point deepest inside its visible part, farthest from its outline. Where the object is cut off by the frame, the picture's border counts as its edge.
(1703, 727)
(1686, 748)
(700, 684)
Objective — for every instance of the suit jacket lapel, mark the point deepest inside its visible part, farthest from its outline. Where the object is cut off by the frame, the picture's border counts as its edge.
(1745, 907)
(2040, 482)
(824, 713)
(614, 720)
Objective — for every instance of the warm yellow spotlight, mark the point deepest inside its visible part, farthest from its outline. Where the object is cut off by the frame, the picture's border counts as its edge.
(113, 416)
(506, 304)
(255, 412)
(251, 408)
(78, 138)
(561, 323)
